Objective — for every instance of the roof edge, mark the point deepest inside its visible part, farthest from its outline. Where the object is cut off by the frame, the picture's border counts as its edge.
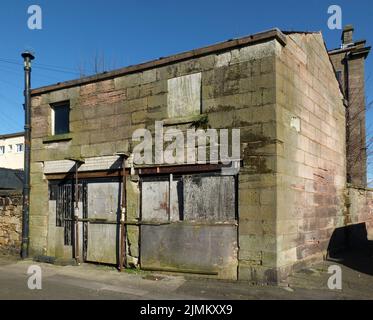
(221, 46)
(352, 49)
(289, 32)
(12, 135)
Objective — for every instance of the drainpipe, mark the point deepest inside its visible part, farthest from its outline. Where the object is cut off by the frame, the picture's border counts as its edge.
(27, 57)
(123, 216)
(348, 127)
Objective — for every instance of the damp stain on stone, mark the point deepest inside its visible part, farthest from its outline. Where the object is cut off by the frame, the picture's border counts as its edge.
(255, 161)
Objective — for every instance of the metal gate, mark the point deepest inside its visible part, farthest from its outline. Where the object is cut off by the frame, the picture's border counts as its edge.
(97, 232)
(65, 211)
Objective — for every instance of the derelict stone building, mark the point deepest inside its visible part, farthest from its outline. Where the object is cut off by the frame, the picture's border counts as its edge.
(278, 212)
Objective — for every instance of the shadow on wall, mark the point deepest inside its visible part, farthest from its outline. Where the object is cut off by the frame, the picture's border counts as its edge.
(350, 246)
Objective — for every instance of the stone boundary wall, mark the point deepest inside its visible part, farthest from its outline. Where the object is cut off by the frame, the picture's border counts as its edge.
(10, 223)
(359, 211)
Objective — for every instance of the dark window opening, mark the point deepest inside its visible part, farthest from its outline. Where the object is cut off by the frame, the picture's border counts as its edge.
(61, 118)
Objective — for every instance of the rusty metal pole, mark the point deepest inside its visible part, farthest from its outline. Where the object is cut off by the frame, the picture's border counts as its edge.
(75, 219)
(27, 57)
(123, 219)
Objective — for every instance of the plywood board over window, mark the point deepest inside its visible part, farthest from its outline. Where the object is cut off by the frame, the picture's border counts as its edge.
(209, 198)
(157, 204)
(200, 197)
(184, 96)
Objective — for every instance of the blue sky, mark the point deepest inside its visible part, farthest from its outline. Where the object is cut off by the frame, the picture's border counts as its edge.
(130, 32)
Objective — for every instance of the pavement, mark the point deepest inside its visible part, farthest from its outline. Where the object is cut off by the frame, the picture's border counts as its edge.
(93, 282)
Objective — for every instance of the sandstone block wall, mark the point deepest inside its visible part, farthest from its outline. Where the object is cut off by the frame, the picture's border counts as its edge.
(311, 158)
(359, 210)
(10, 223)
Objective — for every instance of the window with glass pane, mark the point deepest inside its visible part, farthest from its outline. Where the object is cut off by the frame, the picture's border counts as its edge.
(61, 118)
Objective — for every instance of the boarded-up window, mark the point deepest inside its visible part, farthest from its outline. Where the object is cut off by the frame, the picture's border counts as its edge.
(184, 96)
(156, 202)
(193, 198)
(209, 198)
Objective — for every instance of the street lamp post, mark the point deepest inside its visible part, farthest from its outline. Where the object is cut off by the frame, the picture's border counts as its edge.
(27, 57)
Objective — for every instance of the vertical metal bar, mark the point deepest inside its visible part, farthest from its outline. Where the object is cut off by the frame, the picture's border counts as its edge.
(58, 221)
(85, 224)
(67, 213)
(28, 57)
(169, 197)
(76, 214)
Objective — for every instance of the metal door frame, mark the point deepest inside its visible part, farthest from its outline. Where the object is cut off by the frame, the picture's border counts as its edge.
(87, 221)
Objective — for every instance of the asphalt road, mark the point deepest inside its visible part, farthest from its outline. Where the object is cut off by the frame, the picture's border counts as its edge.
(90, 282)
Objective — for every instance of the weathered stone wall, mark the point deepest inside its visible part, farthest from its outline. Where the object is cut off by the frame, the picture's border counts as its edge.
(311, 159)
(10, 223)
(133, 214)
(356, 232)
(359, 209)
(257, 179)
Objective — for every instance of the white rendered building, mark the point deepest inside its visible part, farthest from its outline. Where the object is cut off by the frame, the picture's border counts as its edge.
(12, 151)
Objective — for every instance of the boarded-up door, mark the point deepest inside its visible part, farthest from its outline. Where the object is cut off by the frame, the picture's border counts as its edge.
(103, 207)
(196, 230)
